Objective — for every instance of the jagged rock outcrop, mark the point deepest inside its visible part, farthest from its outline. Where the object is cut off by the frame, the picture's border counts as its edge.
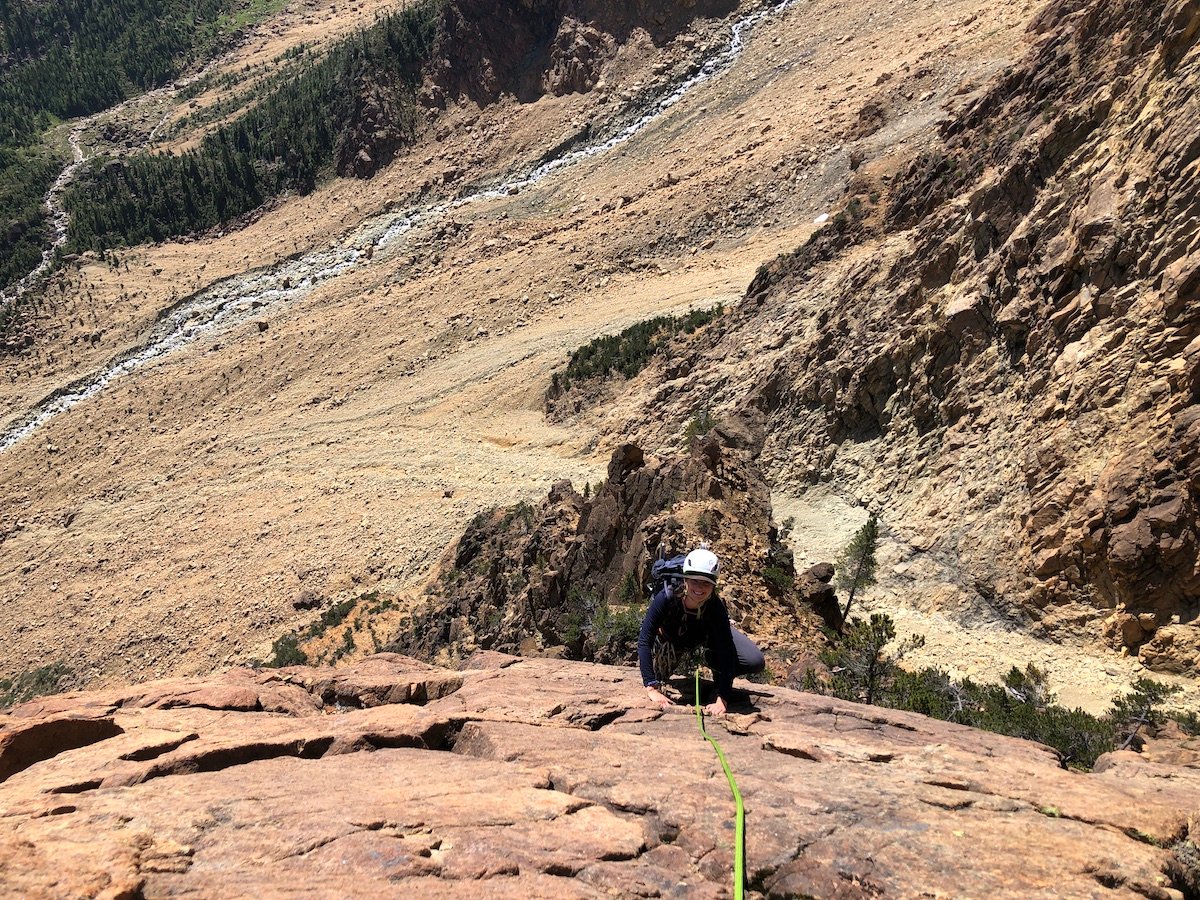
(998, 345)
(545, 778)
(577, 55)
(378, 126)
(532, 579)
(527, 48)
(484, 51)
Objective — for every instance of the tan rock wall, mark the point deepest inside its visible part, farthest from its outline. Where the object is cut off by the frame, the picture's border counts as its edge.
(994, 344)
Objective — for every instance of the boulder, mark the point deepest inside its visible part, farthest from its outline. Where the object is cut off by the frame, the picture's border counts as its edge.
(814, 587)
(1173, 649)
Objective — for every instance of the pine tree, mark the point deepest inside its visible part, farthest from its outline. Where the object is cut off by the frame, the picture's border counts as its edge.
(862, 667)
(855, 567)
(1140, 709)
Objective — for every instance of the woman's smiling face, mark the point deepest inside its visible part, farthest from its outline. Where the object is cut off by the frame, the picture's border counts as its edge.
(698, 591)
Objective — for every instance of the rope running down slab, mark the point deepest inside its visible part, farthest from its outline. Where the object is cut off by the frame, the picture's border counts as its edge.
(739, 849)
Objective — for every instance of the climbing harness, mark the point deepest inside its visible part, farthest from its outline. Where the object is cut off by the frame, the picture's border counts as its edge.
(739, 835)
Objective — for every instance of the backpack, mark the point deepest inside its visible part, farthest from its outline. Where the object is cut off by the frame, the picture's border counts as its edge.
(667, 571)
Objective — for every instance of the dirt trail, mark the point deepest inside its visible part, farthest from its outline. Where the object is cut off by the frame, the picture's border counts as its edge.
(166, 524)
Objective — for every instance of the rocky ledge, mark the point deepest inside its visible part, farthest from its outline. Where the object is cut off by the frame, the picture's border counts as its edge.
(538, 777)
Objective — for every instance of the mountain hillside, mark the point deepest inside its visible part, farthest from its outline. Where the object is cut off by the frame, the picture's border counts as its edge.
(995, 344)
(335, 443)
(416, 329)
(211, 439)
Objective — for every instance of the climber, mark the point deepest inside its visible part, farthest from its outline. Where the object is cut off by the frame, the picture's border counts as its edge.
(687, 613)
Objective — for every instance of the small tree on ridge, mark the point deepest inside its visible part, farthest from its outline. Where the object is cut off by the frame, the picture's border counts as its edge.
(855, 567)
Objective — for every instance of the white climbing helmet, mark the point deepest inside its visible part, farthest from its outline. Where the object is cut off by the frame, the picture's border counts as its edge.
(702, 564)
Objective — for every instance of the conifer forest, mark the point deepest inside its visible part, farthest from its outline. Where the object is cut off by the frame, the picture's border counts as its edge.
(68, 58)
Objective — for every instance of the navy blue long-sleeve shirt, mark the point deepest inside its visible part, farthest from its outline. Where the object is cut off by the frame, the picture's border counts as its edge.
(709, 625)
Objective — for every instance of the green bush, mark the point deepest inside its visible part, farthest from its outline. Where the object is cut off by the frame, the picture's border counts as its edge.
(631, 590)
(346, 647)
(32, 683)
(331, 617)
(572, 632)
(382, 606)
(615, 631)
(601, 631)
(766, 676)
(700, 424)
(1079, 737)
(779, 579)
(1189, 722)
(864, 668)
(286, 652)
(524, 512)
(627, 353)
(1140, 709)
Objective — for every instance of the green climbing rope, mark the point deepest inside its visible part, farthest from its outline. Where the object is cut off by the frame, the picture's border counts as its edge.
(739, 834)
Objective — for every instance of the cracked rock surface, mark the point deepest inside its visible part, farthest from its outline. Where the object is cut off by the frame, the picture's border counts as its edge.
(535, 777)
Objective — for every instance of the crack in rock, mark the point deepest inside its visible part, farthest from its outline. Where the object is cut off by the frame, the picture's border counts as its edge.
(219, 758)
(77, 787)
(948, 805)
(153, 751)
(950, 785)
(20, 749)
(317, 844)
(879, 722)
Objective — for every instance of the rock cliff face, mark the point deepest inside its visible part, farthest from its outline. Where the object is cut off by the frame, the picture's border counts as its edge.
(528, 48)
(519, 48)
(544, 778)
(996, 344)
(531, 579)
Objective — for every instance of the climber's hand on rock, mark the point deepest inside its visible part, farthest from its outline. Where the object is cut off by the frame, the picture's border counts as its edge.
(716, 708)
(657, 698)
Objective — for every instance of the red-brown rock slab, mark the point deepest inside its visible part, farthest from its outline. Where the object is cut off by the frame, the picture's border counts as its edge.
(547, 778)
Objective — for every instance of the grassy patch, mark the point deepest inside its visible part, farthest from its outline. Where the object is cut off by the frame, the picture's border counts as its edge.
(32, 683)
(627, 353)
(243, 16)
